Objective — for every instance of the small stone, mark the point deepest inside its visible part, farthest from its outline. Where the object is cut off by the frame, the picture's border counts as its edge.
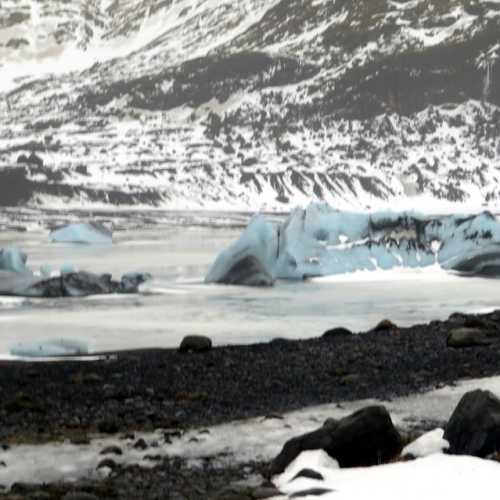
(467, 337)
(308, 474)
(91, 378)
(80, 439)
(111, 450)
(385, 325)
(108, 427)
(313, 492)
(336, 333)
(107, 462)
(76, 495)
(195, 343)
(39, 495)
(140, 444)
(24, 488)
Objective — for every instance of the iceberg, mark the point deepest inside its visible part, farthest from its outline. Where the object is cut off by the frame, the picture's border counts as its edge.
(13, 259)
(49, 348)
(73, 284)
(321, 241)
(88, 232)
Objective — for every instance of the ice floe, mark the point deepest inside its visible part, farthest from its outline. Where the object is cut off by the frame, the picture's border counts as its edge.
(321, 241)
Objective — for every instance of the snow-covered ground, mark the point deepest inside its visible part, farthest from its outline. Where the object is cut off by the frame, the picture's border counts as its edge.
(262, 438)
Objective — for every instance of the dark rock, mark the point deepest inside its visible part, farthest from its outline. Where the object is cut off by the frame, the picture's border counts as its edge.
(2, 464)
(248, 271)
(80, 439)
(247, 493)
(385, 325)
(91, 378)
(316, 492)
(468, 337)
(108, 426)
(24, 488)
(39, 495)
(76, 495)
(474, 427)
(111, 450)
(195, 343)
(140, 444)
(308, 474)
(364, 438)
(331, 423)
(107, 462)
(337, 332)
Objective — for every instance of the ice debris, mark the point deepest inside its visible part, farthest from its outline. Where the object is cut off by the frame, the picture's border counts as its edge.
(13, 259)
(89, 232)
(72, 284)
(49, 348)
(321, 241)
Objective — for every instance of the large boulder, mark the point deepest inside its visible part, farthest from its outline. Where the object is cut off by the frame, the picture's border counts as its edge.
(195, 343)
(469, 337)
(474, 427)
(364, 438)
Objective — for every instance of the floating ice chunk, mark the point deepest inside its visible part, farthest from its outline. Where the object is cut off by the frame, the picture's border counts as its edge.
(91, 233)
(13, 259)
(49, 348)
(321, 241)
(428, 444)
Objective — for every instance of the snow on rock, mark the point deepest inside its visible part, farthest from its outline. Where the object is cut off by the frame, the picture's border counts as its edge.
(91, 233)
(436, 476)
(321, 241)
(428, 444)
(261, 439)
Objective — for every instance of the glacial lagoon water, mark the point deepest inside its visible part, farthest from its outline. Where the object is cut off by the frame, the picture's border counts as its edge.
(178, 253)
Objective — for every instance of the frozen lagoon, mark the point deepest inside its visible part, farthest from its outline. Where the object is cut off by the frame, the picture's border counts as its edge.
(178, 252)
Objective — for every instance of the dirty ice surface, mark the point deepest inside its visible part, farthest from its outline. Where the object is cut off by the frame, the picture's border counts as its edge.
(177, 302)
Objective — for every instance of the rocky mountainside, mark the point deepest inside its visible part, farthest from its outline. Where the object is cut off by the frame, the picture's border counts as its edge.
(250, 104)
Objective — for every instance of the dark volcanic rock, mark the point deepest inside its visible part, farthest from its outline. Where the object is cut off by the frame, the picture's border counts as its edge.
(364, 438)
(337, 332)
(468, 337)
(385, 325)
(247, 271)
(309, 474)
(195, 343)
(474, 427)
(313, 492)
(111, 450)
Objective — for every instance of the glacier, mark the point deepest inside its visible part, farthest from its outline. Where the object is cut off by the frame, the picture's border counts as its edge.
(89, 233)
(321, 241)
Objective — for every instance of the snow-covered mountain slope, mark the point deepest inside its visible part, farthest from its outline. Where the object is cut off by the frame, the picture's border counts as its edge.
(250, 104)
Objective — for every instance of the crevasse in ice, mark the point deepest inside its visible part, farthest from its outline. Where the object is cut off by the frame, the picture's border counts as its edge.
(320, 241)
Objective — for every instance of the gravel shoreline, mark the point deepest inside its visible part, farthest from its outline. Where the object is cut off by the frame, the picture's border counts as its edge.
(150, 389)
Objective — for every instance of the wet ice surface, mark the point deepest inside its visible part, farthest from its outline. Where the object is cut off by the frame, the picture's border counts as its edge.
(178, 253)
